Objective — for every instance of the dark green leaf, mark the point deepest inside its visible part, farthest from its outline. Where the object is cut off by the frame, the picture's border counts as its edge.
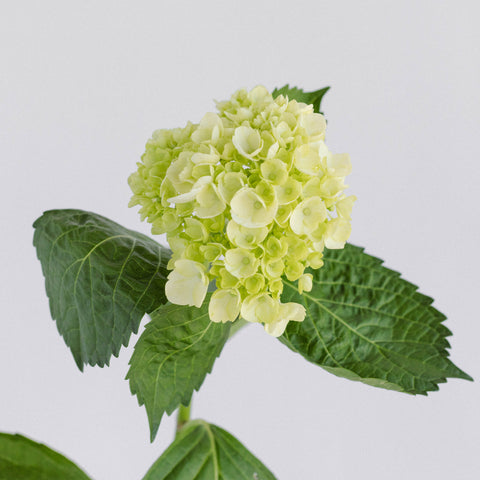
(24, 459)
(203, 451)
(100, 279)
(365, 323)
(172, 357)
(310, 98)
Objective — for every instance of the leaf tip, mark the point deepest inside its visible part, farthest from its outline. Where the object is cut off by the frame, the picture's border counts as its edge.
(78, 362)
(153, 430)
(464, 376)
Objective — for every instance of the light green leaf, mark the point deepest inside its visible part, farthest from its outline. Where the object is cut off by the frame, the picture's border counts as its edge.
(100, 277)
(365, 323)
(172, 357)
(24, 459)
(310, 98)
(203, 451)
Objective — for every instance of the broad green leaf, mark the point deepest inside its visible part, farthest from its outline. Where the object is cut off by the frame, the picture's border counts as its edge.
(24, 459)
(310, 98)
(366, 323)
(203, 451)
(101, 279)
(172, 357)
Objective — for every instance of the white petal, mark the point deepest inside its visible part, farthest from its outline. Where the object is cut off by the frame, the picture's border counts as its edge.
(248, 209)
(276, 329)
(187, 284)
(185, 197)
(314, 124)
(247, 141)
(339, 164)
(224, 305)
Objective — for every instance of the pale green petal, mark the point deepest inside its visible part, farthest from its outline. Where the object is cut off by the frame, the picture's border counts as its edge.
(224, 305)
(273, 267)
(294, 270)
(292, 311)
(339, 164)
(226, 280)
(215, 224)
(298, 248)
(245, 237)
(338, 231)
(193, 252)
(331, 186)
(209, 204)
(274, 171)
(184, 197)
(177, 244)
(287, 312)
(205, 158)
(318, 234)
(255, 283)
(249, 210)
(161, 138)
(289, 191)
(260, 308)
(196, 230)
(202, 170)
(180, 173)
(312, 188)
(209, 130)
(272, 150)
(283, 134)
(168, 222)
(315, 259)
(192, 194)
(305, 283)
(275, 287)
(266, 192)
(259, 95)
(229, 183)
(308, 160)
(318, 247)
(247, 141)
(344, 207)
(212, 251)
(276, 329)
(241, 263)
(314, 124)
(167, 190)
(283, 214)
(276, 247)
(307, 215)
(270, 146)
(187, 284)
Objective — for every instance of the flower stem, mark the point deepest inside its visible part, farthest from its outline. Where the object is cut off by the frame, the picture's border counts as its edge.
(183, 416)
(183, 412)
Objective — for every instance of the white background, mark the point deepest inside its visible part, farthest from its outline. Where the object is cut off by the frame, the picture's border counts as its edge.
(83, 85)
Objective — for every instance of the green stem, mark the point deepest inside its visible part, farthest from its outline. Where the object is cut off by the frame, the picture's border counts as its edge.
(183, 413)
(183, 416)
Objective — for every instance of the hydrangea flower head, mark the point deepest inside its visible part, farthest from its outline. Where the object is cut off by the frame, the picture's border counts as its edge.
(248, 196)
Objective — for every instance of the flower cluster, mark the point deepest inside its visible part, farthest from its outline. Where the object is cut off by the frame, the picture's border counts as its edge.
(249, 195)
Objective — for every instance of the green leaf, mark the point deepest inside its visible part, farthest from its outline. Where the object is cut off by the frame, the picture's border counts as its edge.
(310, 98)
(101, 279)
(24, 459)
(172, 357)
(203, 451)
(365, 323)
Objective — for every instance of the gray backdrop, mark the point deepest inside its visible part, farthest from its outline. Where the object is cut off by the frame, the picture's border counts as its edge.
(83, 85)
